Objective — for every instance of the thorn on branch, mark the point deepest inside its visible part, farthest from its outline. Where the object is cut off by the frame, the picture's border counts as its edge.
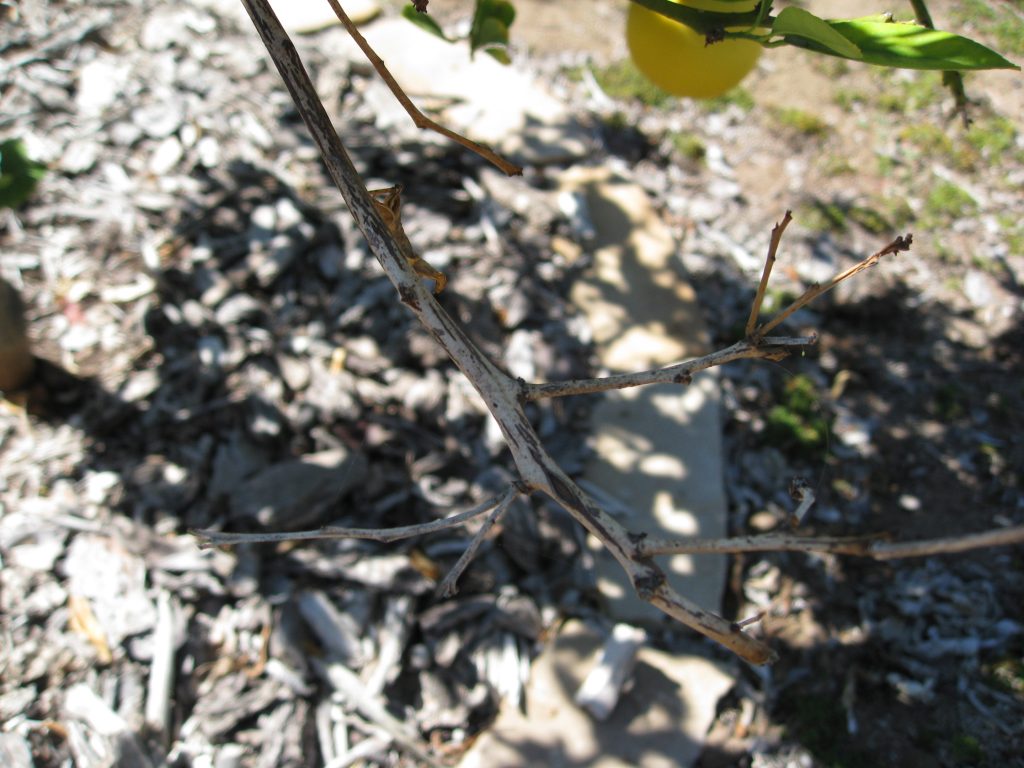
(737, 626)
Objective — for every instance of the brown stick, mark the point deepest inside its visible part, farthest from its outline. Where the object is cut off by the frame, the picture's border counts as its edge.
(769, 262)
(901, 243)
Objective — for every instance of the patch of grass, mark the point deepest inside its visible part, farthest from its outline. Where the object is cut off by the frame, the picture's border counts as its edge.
(738, 96)
(871, 219)
(836, 165)
(949, 402)
(805, 123)
(1013, 231)
(877, 219)
(1005, 25)
(847, 97)
(795, 423)
(690, 146)
(947, 201)
(622, 80)
(573, 74)
(904, 91)
(886, 165)
(993, 136)
(966, 749)
(933, 141)
(894, 211)
(819, 723)
(929, 138)
(822, 216)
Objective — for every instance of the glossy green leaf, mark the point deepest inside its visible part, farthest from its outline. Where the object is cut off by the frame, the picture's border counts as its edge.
(909, 46)
(424, 21)
(797, 21)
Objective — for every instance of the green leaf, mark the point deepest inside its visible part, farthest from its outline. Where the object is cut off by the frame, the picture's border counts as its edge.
(489, 30)
(797, 21)
(19, 174)
(424, 21)
(909, 46)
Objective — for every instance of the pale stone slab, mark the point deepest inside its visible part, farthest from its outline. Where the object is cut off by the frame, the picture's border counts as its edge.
(657, 449)
(660, 722)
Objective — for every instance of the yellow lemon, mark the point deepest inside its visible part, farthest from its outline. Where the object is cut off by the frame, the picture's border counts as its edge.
(674, 57)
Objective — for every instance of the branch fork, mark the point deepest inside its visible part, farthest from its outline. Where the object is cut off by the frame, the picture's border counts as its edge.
(505, 398)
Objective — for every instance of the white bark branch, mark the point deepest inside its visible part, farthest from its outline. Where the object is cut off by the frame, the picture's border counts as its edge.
(772, 348)
(213, 538)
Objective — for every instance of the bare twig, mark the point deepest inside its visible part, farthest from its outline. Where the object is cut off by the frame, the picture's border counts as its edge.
(897, 549)
(421, 120)
(447, 587)
(874, 547)
(773, 348)
(901, 243)
(769, 262)
(220, 538)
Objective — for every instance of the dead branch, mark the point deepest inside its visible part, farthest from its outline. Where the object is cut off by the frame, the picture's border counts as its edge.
(501, 394)
(901, 243)
(769, 262)
(447, 587)
(211, 538)
(773, 348)
(505, 397)
(875, 547)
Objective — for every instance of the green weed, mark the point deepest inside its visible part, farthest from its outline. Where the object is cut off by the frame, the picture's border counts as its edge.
(1003, 24)
(689, 145)
(738, 96)
(947, 201)
(795, 423)
(622, 80)
(802, 122)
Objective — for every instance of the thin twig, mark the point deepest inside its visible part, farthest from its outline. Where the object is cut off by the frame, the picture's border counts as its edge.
(874, 547)
(897, 549)
(212, 538)
(447, 587)
(901, 243)
(421, 120)
(769, 262)
(773, 348)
